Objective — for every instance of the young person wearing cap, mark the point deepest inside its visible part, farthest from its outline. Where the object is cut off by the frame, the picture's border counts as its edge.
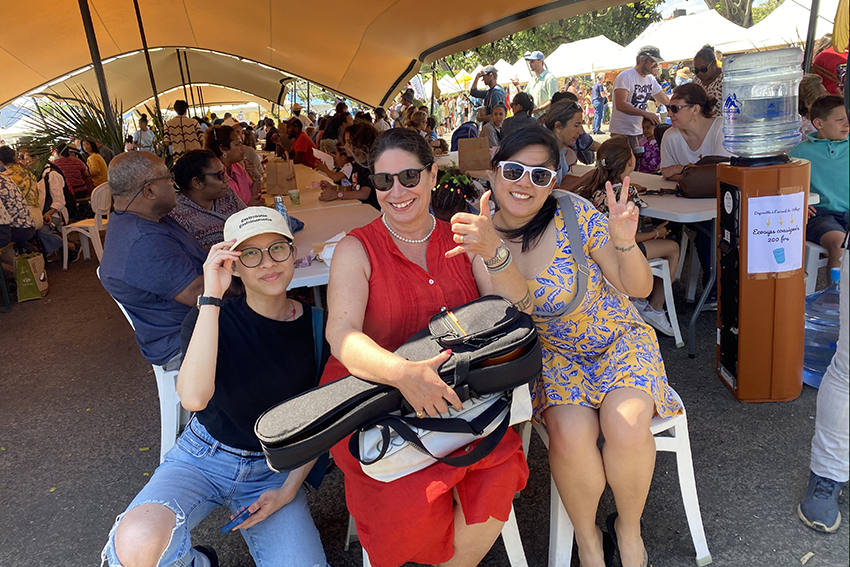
(542, 86)
(632, 90)
(493, 96)
(234, 369)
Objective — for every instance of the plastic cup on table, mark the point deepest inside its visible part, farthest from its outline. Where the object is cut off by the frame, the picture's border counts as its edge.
(295, 197)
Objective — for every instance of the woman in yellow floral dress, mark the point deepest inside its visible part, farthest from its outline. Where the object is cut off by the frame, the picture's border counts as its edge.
(602, 369)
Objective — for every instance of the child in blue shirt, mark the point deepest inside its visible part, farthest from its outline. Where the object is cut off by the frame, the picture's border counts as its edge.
(827, 150)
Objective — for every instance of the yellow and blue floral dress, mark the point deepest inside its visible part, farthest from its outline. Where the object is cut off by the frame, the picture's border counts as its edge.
(602, 345)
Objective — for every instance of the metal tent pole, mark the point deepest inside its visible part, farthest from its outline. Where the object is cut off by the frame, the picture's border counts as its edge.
(97, 65)
(148, 60)
(810, 36)
(182, 76)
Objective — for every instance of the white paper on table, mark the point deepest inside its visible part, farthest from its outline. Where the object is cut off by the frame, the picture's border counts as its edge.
(328, 159)
(326, 255)
(775, 237)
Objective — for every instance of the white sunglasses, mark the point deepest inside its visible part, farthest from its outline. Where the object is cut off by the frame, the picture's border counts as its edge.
(539, 175)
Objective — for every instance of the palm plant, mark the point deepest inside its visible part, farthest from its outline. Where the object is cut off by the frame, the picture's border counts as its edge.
(62, 119)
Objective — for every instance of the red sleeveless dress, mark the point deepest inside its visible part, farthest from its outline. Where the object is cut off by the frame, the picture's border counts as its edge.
(412, 518)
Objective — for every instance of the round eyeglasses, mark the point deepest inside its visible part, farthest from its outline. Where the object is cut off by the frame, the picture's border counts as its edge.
(252, 256)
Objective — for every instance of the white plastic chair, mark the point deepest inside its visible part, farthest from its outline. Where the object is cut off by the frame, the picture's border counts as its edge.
(661, 269)
(172, 416)
(560, 527)
(89, 229)
(817, 257)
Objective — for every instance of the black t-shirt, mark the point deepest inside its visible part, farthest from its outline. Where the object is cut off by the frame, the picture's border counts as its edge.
(261, 362)
(360, 176)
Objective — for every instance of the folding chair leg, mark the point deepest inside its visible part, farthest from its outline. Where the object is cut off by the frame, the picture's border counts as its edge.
(84, 240)
(351, 535)
(683, 249)
(94, 235)
(64, 250)
(687, 485)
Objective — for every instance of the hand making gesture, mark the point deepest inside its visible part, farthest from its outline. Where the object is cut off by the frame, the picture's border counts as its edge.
(622, 217)
(475, 234)
(217, 268)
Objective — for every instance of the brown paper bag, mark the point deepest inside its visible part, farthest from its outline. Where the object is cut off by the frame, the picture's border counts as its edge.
(473, 154)
(280, 177)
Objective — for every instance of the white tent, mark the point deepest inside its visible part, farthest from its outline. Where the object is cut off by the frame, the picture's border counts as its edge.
(581, 57)
(520, 71)
(677, 38)
(787, 25)
(505, 70)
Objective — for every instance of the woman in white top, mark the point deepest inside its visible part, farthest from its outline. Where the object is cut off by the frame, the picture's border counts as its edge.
(143, 138)
(694, 135)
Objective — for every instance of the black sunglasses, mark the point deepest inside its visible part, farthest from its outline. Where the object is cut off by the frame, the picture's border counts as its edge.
(408, 178)
(219, 174)
(701, 70)
(675, 108)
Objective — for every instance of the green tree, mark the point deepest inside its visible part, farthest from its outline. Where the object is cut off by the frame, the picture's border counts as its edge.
(764, 9)
(620, 24)
(736, 11)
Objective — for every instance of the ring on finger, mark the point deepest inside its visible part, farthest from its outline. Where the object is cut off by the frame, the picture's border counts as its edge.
(420, 414)
(461, 239)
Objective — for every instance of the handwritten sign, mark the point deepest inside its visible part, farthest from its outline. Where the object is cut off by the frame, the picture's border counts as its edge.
(775, 237)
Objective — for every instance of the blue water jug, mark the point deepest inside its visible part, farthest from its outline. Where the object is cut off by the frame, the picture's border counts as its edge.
(822, 325)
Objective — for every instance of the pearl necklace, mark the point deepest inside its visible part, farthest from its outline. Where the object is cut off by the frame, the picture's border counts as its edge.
(409, 240)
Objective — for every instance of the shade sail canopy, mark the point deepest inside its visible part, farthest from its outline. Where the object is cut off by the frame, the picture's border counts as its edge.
(128, 80)
(379, 51)
(214, 95)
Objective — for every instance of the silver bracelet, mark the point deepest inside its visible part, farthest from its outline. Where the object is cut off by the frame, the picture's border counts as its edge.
(501, 267)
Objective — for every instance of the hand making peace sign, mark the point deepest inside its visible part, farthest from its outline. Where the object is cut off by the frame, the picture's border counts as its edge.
(622, 216)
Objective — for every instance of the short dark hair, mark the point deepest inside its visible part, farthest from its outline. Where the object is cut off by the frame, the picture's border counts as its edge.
(191, 165)
(180, 107)
(403, 139)
(216, 137)
(824, 106)
(295, 123)
(530, 233)
(7, 155)
(93, 145)
(693, 93)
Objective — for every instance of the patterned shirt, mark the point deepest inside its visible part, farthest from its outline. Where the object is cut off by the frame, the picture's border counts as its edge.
(21, 177)
(714, 90)
(182, 134)
(206, 226)
(651, 159)
(16, 205)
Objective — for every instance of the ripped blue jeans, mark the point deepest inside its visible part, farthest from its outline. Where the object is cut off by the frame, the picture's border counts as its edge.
(200, 474)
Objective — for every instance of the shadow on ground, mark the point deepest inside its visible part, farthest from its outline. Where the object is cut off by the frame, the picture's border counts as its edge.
(79, 436)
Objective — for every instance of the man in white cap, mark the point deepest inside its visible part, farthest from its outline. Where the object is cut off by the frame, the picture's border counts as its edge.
(492, 97)
(296, 112)
(543, 86)
(632, 90)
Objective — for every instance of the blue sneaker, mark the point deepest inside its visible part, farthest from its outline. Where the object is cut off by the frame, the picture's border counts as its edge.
(819, 507)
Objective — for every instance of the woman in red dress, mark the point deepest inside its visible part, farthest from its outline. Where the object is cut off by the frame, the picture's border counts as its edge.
(387, 280)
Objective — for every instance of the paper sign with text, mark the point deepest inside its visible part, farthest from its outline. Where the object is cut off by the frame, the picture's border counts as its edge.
(775, 238)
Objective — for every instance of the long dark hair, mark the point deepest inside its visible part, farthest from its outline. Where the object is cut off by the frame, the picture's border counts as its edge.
(531, 231)
(612, 157)
(217, 137)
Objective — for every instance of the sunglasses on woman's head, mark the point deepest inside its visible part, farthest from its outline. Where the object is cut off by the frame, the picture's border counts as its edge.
(539, 175)
(675, 108)
(408, 178)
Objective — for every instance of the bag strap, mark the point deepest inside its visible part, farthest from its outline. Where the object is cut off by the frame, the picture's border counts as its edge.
(403, 426)
(565, 200)
(318, 338)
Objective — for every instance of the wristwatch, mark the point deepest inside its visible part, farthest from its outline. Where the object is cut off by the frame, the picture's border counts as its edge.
(339, 195)
(501, 255)
(204, 300)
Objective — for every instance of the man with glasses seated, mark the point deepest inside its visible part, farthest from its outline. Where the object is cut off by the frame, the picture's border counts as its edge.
(242, 355)
(205, 200)
(150, 264)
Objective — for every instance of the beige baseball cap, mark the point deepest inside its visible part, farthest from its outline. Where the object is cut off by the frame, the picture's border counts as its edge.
(252, 221)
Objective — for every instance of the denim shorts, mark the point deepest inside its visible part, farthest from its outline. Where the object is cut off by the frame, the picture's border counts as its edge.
(198, 475)
(825, 221)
